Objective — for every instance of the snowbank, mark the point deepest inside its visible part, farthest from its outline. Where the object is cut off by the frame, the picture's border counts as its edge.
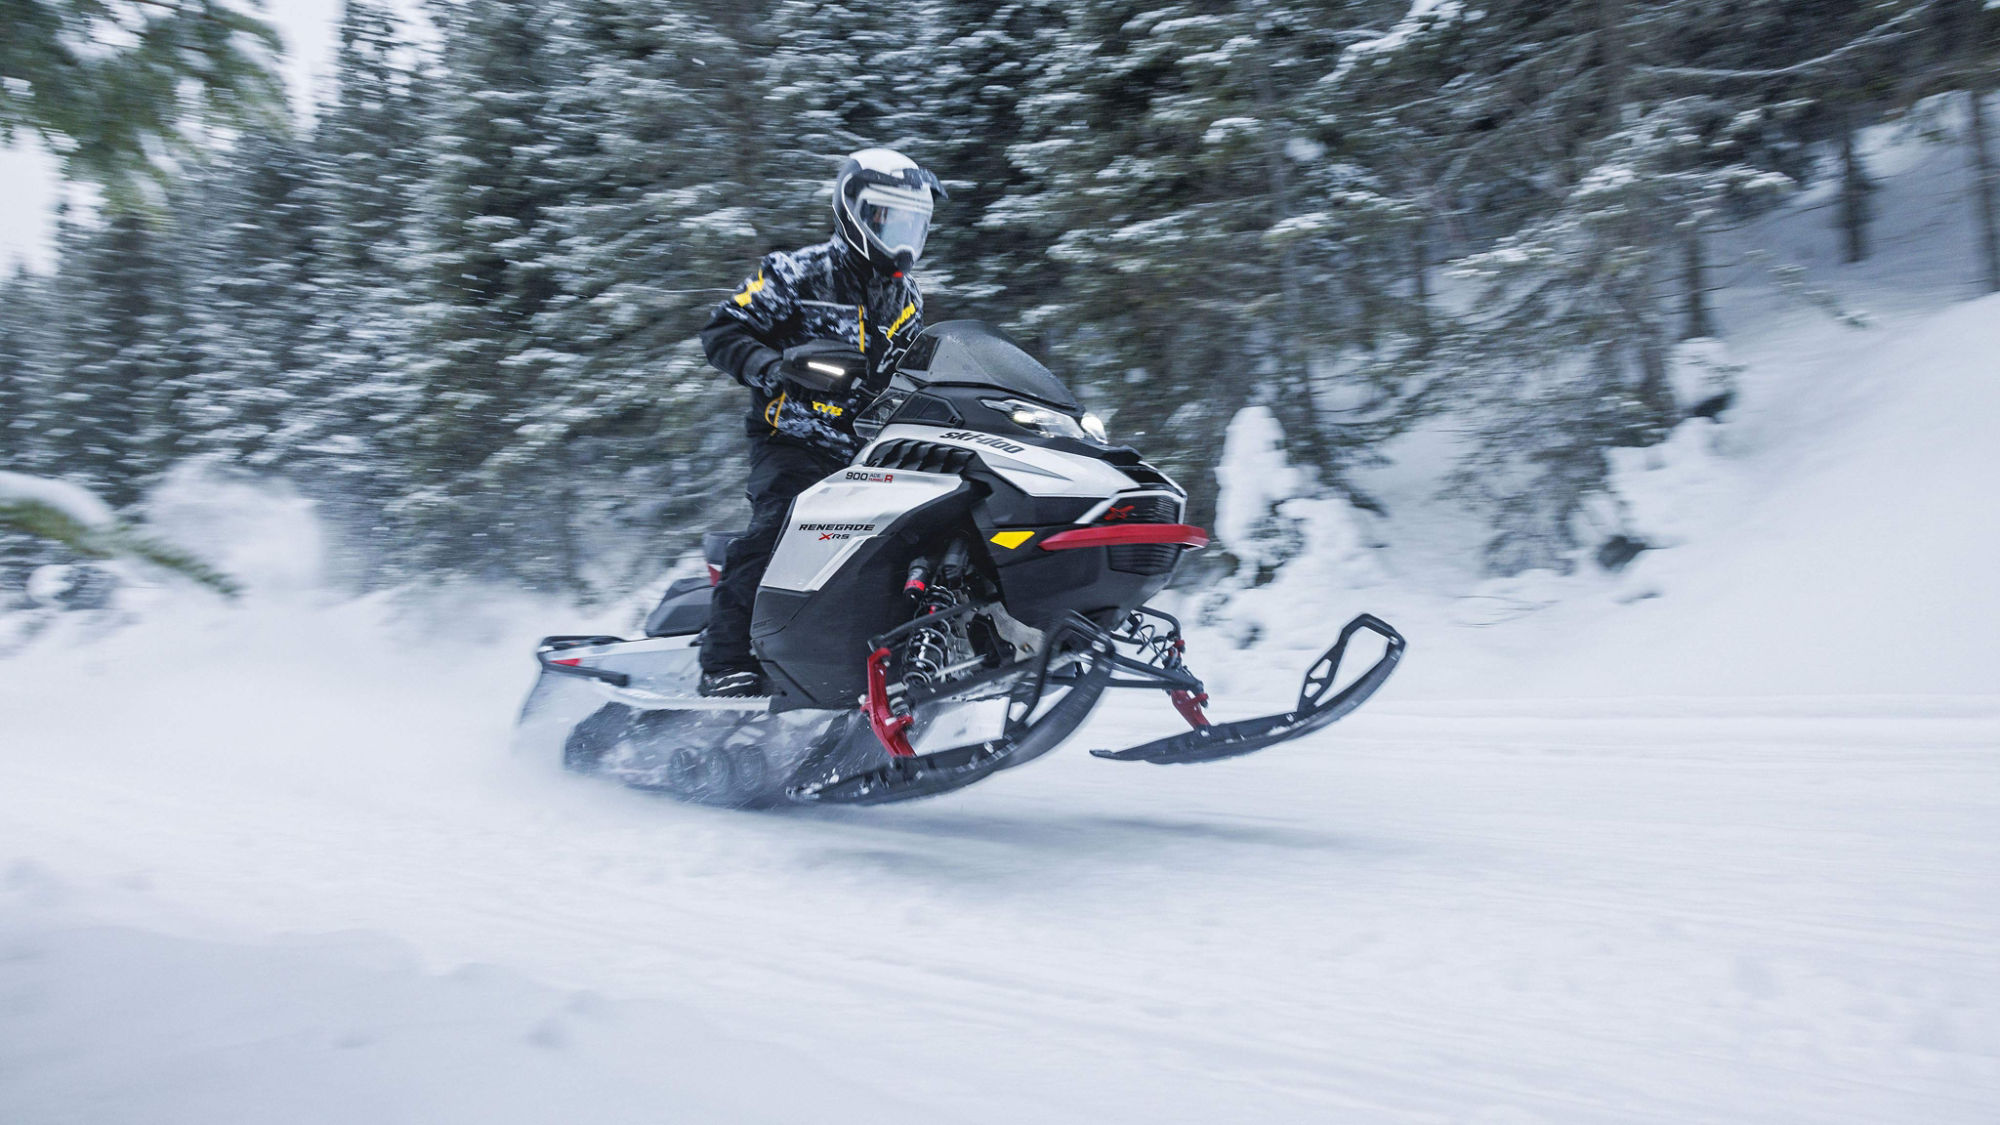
(1857, 560)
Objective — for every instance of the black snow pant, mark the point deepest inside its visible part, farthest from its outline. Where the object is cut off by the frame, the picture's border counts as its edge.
(779, 471)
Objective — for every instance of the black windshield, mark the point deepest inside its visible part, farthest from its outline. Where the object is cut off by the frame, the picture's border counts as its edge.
(971, 352)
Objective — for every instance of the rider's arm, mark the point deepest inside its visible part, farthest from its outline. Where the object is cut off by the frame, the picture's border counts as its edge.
(738, 337)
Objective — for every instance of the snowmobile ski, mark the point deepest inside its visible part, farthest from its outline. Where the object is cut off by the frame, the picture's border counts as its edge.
(1318, 706)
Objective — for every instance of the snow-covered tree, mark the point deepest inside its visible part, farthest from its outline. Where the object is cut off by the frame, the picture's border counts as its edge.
(654, 227)
(368, 150)
(27, 387)
(485, 248)
(120, 361)
(247, 227)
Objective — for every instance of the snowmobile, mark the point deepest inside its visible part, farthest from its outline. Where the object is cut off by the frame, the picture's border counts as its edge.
(952, 604)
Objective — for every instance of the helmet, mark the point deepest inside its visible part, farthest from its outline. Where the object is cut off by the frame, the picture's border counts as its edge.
(882, 207)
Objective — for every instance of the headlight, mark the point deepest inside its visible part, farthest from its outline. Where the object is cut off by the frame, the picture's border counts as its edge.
(1047, 422)
(1093, 427)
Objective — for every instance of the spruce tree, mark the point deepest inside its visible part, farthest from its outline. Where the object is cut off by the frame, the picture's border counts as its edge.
(120, 361)
(248, 225)
(486, 252)
(654, 228)
(962, 105)
(1173, 153)
(27, 387)
(368, 149)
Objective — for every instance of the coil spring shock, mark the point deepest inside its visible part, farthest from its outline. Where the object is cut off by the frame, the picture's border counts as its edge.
(1160, 647)
(930, 651)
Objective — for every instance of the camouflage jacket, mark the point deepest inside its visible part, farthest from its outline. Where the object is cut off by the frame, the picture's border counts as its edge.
(823, 292)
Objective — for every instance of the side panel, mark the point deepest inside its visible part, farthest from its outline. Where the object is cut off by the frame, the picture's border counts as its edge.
(833, 519)
(823, 598)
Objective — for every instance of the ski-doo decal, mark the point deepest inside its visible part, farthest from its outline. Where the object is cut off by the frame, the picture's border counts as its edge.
(984, 439)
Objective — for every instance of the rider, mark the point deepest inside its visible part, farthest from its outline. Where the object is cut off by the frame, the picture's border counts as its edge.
(853, 288)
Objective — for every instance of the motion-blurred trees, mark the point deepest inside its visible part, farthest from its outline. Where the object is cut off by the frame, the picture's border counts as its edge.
(459, 309)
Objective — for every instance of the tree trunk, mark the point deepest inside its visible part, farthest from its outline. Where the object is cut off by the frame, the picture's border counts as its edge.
(1611, 30)
(1420, 264)
(1985, 186)
(1694, 279)
(1420, 287)
(1298, 404)
(1854, 188)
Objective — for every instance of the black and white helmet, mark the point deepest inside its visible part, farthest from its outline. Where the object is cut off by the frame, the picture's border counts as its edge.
(882, 207)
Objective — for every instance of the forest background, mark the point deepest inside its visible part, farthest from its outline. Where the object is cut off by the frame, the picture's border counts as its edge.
(456, 307)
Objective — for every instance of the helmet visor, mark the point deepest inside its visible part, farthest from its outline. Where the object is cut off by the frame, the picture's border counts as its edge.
(896, 225)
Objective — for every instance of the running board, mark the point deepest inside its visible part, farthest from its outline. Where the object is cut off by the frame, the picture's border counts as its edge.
(642, 700)
(1319, 705)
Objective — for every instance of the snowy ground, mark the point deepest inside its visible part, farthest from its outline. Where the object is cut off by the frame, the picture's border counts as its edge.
(1668, 910)
(1717, 839)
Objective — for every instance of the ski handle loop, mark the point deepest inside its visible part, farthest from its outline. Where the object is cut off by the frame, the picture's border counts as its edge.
(1320, 678)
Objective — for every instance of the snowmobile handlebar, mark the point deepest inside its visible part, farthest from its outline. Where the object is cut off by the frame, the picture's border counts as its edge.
(824, 365)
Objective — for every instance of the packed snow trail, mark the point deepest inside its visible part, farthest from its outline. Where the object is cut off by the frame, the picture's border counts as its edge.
(1769, 910)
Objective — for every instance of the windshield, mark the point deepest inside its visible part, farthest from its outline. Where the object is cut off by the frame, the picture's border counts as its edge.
(971, 352)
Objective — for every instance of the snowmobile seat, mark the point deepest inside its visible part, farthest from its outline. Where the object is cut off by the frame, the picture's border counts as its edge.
(684, 608)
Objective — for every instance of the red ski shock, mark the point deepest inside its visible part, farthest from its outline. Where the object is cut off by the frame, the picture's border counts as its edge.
(1189, 703)
(890, 727)
(1190, 706)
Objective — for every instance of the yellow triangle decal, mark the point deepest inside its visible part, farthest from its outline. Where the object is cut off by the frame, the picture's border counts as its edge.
(1013, 539)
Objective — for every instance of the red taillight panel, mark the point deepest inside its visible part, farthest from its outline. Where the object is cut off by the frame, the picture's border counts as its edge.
(1180, 534)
